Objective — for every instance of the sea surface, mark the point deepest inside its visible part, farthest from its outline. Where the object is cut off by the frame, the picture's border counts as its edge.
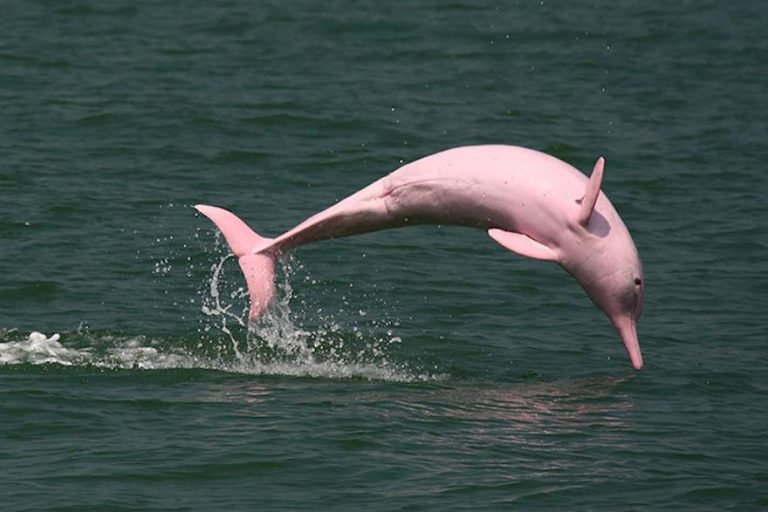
(416, 369)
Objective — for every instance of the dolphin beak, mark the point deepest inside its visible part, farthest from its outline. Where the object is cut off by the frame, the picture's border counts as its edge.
(627, 329)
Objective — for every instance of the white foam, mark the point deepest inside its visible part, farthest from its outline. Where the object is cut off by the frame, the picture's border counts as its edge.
(39, 349)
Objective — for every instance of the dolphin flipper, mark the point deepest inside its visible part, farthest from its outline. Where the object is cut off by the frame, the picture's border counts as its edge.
(523, 245)
(252, 250)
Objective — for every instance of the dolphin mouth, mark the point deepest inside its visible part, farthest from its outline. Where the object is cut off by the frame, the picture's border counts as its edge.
(627, 329)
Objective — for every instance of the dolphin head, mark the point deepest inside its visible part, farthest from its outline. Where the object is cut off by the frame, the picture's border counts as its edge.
(615, 284)
(606, 263)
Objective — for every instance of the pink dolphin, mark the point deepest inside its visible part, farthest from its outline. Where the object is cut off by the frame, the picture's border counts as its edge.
(531, 203)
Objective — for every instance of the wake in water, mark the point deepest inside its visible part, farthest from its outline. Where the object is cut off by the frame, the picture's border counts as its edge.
(276, 345)
(100, 352)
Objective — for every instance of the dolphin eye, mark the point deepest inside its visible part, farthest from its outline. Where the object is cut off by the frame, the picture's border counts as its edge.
(638, 281)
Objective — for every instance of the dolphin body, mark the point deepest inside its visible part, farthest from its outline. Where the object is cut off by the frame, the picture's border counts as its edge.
(531, 203)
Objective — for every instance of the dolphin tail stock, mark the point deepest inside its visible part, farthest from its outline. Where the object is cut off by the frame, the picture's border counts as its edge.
(253, 253)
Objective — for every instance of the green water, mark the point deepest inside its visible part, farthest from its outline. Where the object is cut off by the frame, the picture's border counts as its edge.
(417, 369)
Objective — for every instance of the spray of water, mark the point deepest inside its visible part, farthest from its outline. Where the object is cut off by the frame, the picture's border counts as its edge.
(293, 338)
(279, 343)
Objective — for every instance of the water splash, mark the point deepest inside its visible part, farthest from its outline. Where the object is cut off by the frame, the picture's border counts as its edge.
(278, 344)
(213, 307)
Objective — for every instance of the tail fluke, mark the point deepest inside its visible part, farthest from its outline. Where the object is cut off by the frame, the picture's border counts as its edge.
(257, 263)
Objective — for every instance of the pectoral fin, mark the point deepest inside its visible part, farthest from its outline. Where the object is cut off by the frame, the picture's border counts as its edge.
(523, 245)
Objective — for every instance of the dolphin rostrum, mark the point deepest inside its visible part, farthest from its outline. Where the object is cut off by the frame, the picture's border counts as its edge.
(531, 203)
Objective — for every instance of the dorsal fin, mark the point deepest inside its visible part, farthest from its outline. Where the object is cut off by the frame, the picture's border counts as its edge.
(591, 192)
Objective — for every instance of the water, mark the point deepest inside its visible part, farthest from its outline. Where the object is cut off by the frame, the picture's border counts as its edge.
(420, 369)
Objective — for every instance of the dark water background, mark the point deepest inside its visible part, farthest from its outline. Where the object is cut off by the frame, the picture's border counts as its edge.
(417, 369)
